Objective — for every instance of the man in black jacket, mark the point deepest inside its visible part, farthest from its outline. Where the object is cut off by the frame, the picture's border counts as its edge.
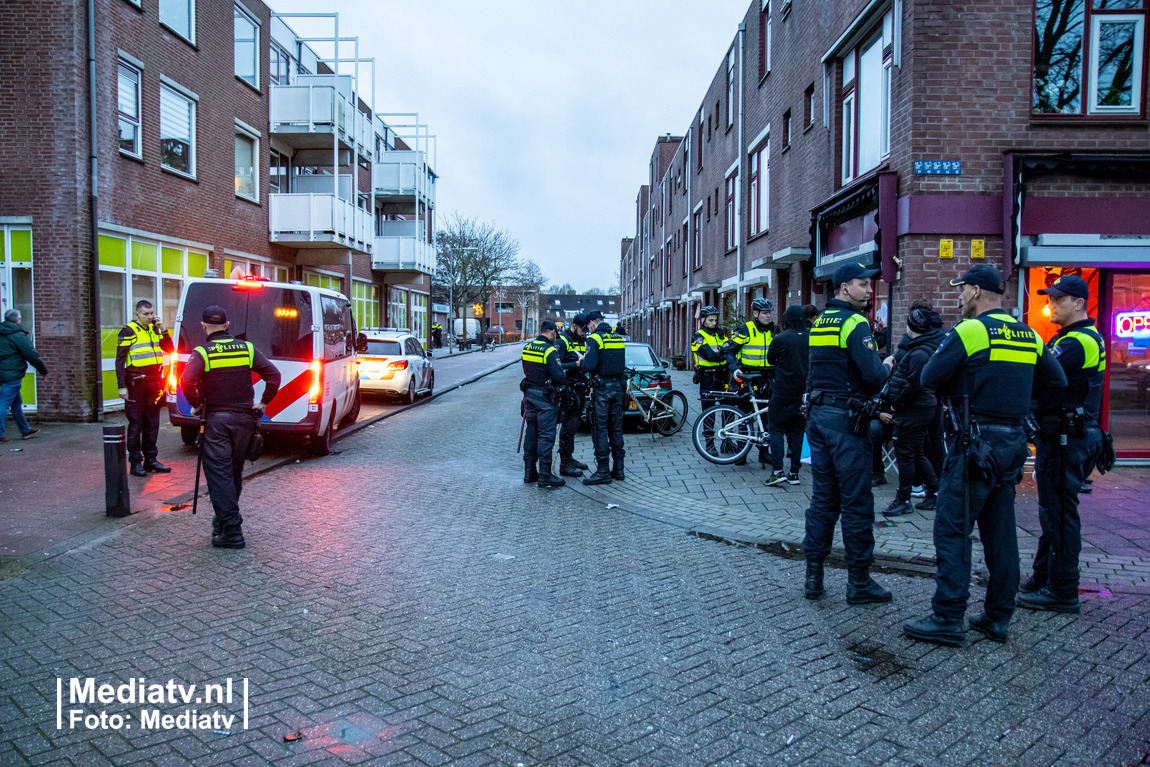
(16, 351)
(789, 356)
(912, 410)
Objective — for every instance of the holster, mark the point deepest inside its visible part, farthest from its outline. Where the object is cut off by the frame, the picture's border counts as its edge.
(981, 460)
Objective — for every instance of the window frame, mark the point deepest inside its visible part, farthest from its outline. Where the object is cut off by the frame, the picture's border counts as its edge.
(191, 5)
(138, 119)
(758, 206)
(764, 40)
(244, 13)
(731, 219)
(882, 34)
(178, 92)
(696, 241)
(731, 87)
(247, 132)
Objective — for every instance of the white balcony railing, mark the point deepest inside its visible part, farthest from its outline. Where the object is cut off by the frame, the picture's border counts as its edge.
(322, 184)
(403, 173)
(403, 245)
(321, 104)
(323, 219)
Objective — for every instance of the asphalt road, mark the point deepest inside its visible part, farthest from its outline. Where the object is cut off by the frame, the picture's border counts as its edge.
(409, 601)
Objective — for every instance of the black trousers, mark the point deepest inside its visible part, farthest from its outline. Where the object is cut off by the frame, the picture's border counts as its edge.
(935, 445)
(143, 408)
(1059, 476)
(607, 402)
(539, 436)
(840, 488)
(785, 420)
(711, 379)
(910, 433)
(569, 426)
(880, 434)
(225, 444)
(991, 507)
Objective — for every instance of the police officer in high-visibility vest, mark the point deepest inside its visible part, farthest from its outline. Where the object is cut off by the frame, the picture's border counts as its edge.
(987, 366)
(605, 363)
(436, 334)
(748, 349)
(1068, 445)
(572, 346)
(542, 377)
(845, 371)
(710, 350)
(218, 384)
(140, 354)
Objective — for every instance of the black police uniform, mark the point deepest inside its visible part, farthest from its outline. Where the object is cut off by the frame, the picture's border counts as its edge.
(995, 361)
(542, 375)
(1059, 471)
(575, 391)
(218, 378)
(139, 369)
(789, 357)
(845, 370)
(605, 363)
(711, 364)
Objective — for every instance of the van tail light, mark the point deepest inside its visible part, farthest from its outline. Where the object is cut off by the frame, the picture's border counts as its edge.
(174, 373)
(316, 390)
(397, 365)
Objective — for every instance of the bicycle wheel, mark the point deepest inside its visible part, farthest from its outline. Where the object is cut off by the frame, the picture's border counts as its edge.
(668, 421)
(720, 436)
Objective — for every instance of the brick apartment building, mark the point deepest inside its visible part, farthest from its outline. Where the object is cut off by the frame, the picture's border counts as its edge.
(218, 139)
(921, 137)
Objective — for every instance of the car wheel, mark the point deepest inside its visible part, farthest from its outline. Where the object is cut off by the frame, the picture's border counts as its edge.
(189, 434)
(320, 444)
(409, 398)
(431, 384)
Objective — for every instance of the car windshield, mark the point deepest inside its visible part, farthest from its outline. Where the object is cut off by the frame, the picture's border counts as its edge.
(640, 356)
(276, 320)
(384, 348)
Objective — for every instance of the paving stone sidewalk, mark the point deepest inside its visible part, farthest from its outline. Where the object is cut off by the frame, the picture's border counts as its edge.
(667, 479)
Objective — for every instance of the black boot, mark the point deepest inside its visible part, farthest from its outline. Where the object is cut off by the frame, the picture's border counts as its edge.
(602, 475)
(229, 538)
(1032, 584)
(578, 464)
(138, 470)
(1044, 599)
(568, 469)
(157, 467)
(529, 472)
(934, 628)
(617, 471)
(813, 588)
(862, 589)
(215, 527)
(546, 478)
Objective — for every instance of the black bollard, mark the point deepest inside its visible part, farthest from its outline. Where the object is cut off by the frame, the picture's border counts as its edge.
(116, 497)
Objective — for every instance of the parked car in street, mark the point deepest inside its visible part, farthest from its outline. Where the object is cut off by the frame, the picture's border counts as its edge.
(396, 363)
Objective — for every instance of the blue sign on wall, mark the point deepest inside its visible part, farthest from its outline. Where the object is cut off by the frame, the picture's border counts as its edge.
(938, 167)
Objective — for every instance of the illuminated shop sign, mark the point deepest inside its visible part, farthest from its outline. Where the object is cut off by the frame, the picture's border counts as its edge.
(1132, 324)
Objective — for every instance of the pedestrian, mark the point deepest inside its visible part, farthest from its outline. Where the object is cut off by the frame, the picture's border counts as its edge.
(988, 366)
(911, 413)
(708, 345)
(218, 385)
(1068, 446)
(605, 363)
(810, 313)
(747, 350)
(845, 371)
(572, 346)
(140, 351)
(621, 330)
(16, 353)
(542, 377)
(789, 358)
(437, 335)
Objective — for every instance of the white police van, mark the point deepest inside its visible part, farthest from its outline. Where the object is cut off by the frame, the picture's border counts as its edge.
(307, 332)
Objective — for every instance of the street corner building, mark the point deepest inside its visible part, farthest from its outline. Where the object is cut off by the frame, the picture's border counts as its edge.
(917, 139)
(195, 137)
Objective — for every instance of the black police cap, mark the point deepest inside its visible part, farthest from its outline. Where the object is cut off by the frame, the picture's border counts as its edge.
(1068, 285)
(214, 315)
(982, 276)
(593, 315)
(547, 325)
(852, 271)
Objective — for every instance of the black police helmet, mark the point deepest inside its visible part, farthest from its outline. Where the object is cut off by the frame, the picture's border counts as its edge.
(762, 305)
(707, 311)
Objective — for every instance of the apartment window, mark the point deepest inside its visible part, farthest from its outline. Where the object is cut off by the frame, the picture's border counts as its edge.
(696, 241)
(865, 99)
(683, 240)
(277, 172)
(279, 66)
(1091, 46)
(247, 150)
(809, 106)
(177, 131)
(765, 39)
(180, 17)
(731, 87)
(786, 129)
(731, 223)
(760, 181)
(128, 109)
(699, 140)
(247, 46)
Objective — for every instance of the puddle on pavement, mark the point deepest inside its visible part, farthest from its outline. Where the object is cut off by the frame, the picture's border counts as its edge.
(876, 661)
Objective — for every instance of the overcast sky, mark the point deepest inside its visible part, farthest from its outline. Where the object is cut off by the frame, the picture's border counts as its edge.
(546, 112)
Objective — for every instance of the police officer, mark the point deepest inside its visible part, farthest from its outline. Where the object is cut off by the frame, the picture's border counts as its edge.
(748, 349)
(987, 365)
(572, 347)
(140, 354)
(542, 375)
(605, 363)
(437, 335)
(218, 383)
(845, 370)
(1059, 470)
(710, 356)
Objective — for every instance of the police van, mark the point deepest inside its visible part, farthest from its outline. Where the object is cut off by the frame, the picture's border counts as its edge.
(307, 332)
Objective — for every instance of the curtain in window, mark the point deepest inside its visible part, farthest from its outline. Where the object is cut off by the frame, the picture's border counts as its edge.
(176, 113)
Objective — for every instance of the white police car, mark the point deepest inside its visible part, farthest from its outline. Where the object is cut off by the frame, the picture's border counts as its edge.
(396, 363)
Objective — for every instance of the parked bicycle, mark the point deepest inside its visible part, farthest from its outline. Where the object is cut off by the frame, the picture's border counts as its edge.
(664, 410)
(725, 433)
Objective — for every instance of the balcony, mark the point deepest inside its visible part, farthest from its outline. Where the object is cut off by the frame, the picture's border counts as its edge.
(402, 247)
(311, 111)
(320, 221)
(403, 174)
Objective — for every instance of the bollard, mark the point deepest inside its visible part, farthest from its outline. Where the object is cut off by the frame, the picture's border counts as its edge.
(116, 497)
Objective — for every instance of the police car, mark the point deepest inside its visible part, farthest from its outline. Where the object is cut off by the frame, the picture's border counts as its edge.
(395, 363)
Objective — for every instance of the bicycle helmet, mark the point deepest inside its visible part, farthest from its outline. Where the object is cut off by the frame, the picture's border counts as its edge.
(762, 305)
(707, 311)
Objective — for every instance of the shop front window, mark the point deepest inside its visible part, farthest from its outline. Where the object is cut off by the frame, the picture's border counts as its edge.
(1129, 361)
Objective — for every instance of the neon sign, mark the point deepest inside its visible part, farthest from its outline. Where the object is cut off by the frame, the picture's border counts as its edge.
(1132, 324)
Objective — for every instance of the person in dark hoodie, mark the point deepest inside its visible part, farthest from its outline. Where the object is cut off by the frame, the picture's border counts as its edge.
(16, 351)
(789, 355)
(912, 413)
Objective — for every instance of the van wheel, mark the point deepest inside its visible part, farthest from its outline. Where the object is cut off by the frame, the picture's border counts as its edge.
(320, 444)
(353, 414)
(431, 384)
(409, 398)
(189, 434)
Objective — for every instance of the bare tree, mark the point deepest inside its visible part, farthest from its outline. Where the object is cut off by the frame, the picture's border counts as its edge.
(531, 281)
(593, 292)
(472, 257)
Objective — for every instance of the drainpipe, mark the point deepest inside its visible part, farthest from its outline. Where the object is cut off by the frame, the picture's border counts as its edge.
(740, 289)
(93, 210)
(691, 160)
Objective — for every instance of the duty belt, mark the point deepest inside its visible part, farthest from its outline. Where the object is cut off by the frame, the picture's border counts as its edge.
(820, 397)
(992, 420)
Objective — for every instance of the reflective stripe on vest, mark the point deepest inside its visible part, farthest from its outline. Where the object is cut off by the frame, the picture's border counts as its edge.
(830, 329)
(227, 354)
(1019, 345)
(753, 352)
(143, 347)
(711, 341)
(1092, 348)
(608, 341)
(537, 351)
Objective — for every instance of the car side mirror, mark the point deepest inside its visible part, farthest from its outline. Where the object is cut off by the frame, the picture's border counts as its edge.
(666, 365)
(361, 343)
